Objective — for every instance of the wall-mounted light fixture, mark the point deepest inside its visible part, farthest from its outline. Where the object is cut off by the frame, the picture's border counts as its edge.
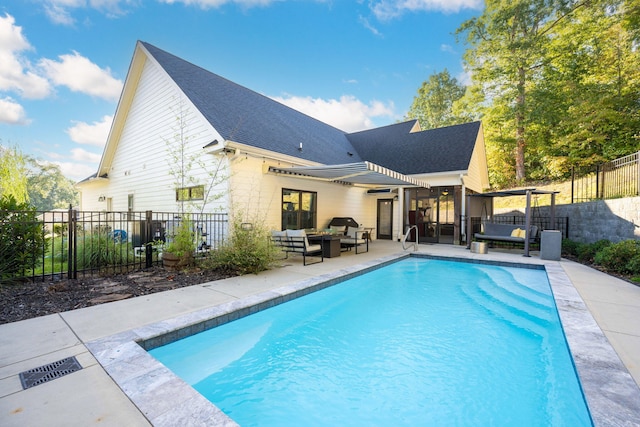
(102, 199)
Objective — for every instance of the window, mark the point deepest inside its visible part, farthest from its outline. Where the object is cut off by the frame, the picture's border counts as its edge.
(299, 209)
(190, 193)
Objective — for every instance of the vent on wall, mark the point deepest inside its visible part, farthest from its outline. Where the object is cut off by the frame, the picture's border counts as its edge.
(43, 374)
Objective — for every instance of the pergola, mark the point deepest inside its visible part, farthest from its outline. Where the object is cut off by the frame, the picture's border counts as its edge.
(527, 213)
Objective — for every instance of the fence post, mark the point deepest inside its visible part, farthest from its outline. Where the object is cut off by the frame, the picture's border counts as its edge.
(69, 242)
(638, 174)
(599, 185)
(148, 232)
(72, 270)
(573, 181)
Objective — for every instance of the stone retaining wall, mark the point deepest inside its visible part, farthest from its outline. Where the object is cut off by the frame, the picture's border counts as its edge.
(614, 220)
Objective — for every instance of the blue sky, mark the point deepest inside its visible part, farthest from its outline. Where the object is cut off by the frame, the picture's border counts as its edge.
(355, 64)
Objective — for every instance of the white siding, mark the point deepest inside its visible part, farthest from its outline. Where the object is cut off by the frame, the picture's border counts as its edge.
(143, 158)
(258, 195)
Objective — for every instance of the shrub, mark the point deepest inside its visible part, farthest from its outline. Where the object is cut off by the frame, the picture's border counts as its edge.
(619, 257)
(248, 250)
(97, 250)
(570, 247)
(182, 240)
(586, 252)
(634, 265)
(22, 241)
(182, 244)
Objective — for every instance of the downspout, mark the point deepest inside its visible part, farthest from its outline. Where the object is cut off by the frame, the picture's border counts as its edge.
(400, 220)
(463, 210)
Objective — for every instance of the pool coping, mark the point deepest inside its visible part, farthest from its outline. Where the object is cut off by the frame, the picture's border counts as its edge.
(612, 395)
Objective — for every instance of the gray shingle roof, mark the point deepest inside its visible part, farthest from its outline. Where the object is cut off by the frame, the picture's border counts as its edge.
(436, 150)
(247, 117)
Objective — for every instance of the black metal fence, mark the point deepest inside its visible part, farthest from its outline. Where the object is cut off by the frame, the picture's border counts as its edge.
(83, 243)
(611, 180)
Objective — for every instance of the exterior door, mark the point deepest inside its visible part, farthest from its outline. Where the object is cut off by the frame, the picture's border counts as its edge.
(427, 220)
(385, 219)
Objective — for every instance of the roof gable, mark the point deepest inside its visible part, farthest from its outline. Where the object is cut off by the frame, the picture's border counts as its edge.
(242, 115)
(246, 117)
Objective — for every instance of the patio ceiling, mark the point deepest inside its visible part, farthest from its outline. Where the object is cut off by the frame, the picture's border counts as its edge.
(362, 173)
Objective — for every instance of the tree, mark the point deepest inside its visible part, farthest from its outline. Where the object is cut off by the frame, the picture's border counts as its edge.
(13, 174)
(592, 80)
(188, 167)
(508, 48)
(433, 107)
(48, 187)
(22, 241)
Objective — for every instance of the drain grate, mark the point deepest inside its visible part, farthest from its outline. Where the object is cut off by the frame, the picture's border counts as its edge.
(43, 374)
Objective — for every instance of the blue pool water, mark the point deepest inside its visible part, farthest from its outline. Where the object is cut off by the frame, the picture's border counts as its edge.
(419, 342)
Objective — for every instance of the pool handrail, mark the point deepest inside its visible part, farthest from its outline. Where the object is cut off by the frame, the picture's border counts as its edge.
(406, 236)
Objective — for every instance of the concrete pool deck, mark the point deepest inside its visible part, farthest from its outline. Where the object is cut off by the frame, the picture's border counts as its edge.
(116, 373)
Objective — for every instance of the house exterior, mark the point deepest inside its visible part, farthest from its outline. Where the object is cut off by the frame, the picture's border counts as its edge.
(182, 135)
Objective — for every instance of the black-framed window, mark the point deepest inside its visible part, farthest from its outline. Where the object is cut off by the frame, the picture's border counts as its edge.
(299, 209)
(190, 193)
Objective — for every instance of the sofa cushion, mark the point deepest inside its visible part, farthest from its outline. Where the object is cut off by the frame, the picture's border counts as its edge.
(518, 232)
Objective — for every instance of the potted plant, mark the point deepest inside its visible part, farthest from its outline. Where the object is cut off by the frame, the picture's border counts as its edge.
(179, 252)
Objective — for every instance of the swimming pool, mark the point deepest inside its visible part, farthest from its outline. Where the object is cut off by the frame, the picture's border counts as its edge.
(418, 342)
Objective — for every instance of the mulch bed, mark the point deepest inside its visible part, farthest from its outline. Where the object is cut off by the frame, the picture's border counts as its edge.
(22, 301)
(27, 300)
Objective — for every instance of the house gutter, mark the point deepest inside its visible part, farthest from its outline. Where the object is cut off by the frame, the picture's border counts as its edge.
(260, 153)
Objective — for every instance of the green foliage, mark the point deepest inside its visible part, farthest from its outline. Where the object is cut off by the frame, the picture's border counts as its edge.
(570, 247)
(40, 183)
(22, 241)
(556, 84)
(633, 266)
(13, 174)
(99, 249)
(586, 252)
(433, 106)
(622, 257)
(248, 250)
(182, 241)
(48, 188)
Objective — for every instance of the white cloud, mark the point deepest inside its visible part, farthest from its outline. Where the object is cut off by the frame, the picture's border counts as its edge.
(91, 134)
(58, 14)
(447, 48)
(60, 11)
(76, 171)
(366, 24)
(16, 73)
(81, 75)
(12, 113)
(388, 9)
(82, 155)
(348, 113)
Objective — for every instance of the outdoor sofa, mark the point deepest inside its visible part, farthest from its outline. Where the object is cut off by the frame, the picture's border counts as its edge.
(509, 233)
